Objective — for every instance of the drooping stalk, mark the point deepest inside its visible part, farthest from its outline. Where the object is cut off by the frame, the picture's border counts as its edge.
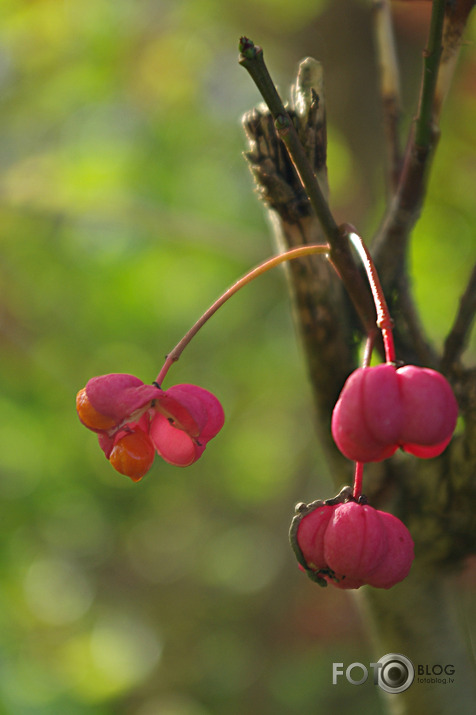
(299, 252)
(384, 321)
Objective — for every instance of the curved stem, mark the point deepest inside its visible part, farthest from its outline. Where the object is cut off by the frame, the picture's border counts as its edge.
(299, 252)
(384, 321)
(164, 370)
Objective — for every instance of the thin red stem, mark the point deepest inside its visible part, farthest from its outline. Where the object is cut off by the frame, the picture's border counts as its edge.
(384, 321)
(358, 479)
(164, 370)
(293, 253)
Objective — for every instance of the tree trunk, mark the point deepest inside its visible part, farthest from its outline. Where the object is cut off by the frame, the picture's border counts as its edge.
(434, 498)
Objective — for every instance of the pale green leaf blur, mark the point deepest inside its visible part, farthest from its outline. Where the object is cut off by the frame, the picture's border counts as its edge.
(126, 208)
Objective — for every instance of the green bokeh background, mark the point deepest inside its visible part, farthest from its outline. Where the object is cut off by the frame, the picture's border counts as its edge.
(126, 208)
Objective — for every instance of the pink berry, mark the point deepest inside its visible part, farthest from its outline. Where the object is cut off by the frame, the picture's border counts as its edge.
(399, 557)
(310, 536)
(382, 408)
(430, 409)
(368, 416)
(177, 422)
(355, 541)
(113, 397)
(349, 544)
(169, 432)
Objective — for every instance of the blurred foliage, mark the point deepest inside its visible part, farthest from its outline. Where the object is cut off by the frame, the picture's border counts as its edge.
(126, 208)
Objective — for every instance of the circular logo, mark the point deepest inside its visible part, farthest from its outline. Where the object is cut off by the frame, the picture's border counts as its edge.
(396, 673)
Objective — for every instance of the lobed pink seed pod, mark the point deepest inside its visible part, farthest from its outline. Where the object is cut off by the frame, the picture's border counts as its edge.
(368, 416)
(355, 541)
(399, 557)
(349, 545)
(430, 410)
(176, 444)
(310, 536)
(382, 408)
(108, 400)
(132, 420)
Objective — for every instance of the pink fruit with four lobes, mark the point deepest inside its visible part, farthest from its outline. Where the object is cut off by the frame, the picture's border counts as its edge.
(383, 408)
(133, 421)
(350, 545)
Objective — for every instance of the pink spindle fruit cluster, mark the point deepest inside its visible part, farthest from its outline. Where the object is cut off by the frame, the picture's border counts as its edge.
(135, 421)
(382, 408)
(351, 544)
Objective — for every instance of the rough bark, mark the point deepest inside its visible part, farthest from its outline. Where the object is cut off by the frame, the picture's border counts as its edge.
(435, 498)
